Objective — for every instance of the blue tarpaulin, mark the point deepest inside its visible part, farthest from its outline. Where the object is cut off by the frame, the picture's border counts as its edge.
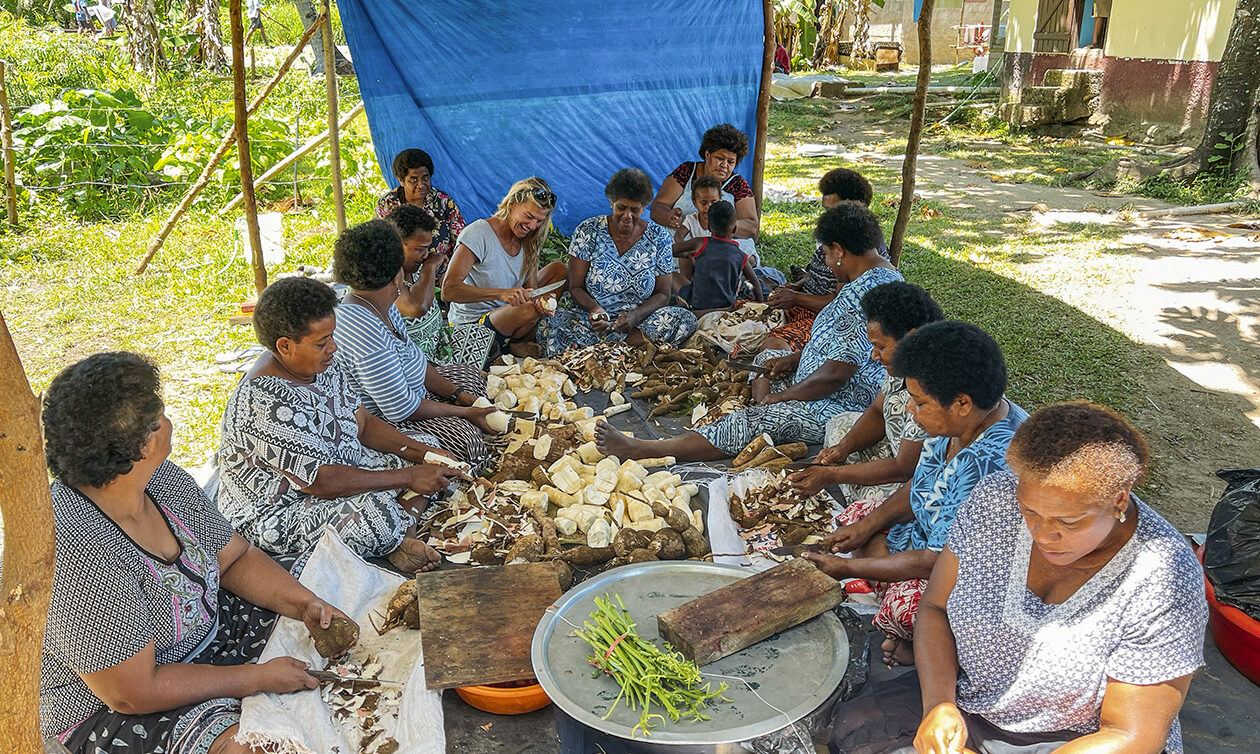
(570, 90)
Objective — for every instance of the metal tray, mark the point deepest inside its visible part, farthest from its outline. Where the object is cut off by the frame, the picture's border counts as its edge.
(795, 670)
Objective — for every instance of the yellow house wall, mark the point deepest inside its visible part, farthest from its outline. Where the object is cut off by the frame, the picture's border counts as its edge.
(1167, 29)
(1164, 29)
(1021, 22)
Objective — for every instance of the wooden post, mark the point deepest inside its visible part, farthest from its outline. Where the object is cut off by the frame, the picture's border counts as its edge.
(228, 140)
(6, 136)
(916, 133)
(763, 101)
(334, 137)
(242, 144)
(30, 551)
(296, 155)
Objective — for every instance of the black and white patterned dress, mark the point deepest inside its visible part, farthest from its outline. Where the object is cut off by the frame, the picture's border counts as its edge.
(111, 598)
(1027, 666)
(276, 435)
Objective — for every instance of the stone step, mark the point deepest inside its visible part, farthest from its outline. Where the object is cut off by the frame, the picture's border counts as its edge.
(1050, 96)
(1077, 79)
(1028, 115)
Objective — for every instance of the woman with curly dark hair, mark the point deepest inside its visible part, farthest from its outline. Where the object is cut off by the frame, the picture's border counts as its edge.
(1063, 613)
(413, 169)
(871, 454)
(299, 451)
(389, 373)
(620, 269)
(159, 611)
(721, 149)
(956, 378)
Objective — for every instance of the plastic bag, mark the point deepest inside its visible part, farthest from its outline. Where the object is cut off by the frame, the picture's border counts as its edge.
(1231, 554)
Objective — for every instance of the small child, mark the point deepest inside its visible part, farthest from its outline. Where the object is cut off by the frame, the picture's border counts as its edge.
(714, 264)
(705, 191)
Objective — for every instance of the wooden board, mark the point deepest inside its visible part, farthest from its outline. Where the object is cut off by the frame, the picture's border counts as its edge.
(476, 624)
(745, 612)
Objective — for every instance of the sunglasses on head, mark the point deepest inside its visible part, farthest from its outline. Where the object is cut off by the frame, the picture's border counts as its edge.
(542, 196)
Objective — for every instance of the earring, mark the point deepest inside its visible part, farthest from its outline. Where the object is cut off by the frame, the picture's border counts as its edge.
(1120, 516)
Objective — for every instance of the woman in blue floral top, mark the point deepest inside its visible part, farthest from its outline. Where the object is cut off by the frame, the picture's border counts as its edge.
(955, 376)
(619, 277)
(834, 373)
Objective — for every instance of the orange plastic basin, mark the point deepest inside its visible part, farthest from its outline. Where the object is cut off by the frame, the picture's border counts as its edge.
(1236, 634)
(501, 701)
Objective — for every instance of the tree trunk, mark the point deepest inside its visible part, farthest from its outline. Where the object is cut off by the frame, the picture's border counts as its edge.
(916, 132)
(241, 119)
(30, 549)
(209, 34)
(1229, 139)
(306, 10)
(144, 41)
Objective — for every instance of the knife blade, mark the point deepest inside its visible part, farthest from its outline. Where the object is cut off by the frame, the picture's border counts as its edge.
(543, 291)
(796, 550)
(326, 676)
(746, 366)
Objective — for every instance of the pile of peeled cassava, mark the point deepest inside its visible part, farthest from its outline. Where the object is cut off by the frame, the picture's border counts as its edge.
(551, 494)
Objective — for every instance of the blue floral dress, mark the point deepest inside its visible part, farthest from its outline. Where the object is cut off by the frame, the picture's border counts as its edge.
(838, 334)
(618, 282)
(939, 486)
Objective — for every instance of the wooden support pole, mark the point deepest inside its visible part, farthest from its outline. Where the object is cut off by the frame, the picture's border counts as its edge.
(30, 551)
(763, 102)
(296, 155)
(910, 163)
(242, 144)
(6, 137)
(334, 136)
(228, 140)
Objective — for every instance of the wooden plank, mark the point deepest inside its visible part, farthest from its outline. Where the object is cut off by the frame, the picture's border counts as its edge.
(476, 624)
(743, 613)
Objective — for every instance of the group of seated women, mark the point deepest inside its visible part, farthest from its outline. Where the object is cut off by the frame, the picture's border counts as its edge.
(1044, 606)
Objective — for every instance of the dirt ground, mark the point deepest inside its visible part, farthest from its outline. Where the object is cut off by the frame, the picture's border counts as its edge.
(1186, 288)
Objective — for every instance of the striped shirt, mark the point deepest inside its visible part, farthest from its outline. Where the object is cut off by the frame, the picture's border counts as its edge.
(386, 372)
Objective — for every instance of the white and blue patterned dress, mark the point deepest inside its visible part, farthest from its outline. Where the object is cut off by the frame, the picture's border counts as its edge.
(939, 486)
(1027, 666)
(618, 282)
(838, 334)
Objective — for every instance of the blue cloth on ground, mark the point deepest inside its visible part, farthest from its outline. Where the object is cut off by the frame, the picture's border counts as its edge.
(568, 90)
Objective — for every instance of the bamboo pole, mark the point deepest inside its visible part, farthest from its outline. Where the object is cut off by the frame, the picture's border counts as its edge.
(6, 136)
(30, 550)
(334, 137)
(909, 165)
(242, 144)
(296, 155)
(224, 145)
(763, 101)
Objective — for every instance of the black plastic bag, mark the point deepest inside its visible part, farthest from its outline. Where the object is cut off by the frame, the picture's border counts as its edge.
(1231, 555)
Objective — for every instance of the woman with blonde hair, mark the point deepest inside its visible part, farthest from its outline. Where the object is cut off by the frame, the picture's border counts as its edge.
(495, 267)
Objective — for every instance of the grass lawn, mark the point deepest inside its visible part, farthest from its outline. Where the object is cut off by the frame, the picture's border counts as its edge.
(68, 288)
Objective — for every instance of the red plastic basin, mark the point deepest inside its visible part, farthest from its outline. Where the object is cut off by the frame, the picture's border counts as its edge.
(1236, 634)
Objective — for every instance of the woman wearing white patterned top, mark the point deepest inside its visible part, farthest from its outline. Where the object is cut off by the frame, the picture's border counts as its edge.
(1063, 615)
(879, 447)
(300, 452)
(159, 612)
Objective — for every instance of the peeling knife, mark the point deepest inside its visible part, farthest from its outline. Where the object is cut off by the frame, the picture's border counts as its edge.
(326, 676)
(543, 291)
(749, 367)
(796, 550)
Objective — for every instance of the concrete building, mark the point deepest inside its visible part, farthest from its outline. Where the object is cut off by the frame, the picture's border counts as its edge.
(895, 23)
(1141, 67)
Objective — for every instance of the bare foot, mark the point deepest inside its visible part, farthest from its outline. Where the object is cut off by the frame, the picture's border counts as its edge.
(611, 442)
(414, 556)
(897, 651)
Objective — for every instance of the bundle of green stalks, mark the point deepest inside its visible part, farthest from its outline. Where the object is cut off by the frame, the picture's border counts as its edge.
(646, 674)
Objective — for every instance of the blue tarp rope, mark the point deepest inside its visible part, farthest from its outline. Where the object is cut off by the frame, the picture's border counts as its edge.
(570, 90)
